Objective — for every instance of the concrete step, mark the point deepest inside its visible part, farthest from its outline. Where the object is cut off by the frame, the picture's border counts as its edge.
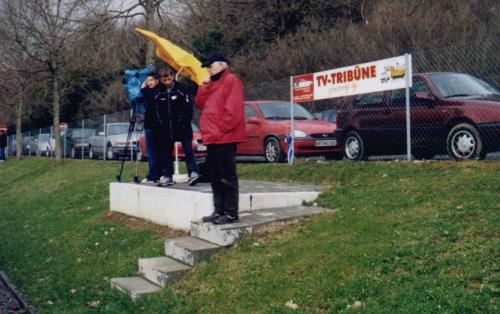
(177, 205)
(189, 250)
(250, 222)
(160, 270)
(135, 287)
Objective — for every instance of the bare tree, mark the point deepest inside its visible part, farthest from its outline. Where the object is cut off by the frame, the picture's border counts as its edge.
(46, 30)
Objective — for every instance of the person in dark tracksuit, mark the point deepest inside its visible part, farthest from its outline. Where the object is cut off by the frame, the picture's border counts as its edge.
(168, 117)
(222, 126)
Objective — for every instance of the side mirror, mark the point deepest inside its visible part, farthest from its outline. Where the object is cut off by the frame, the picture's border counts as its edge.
(423, 96)
(253, 120)
(101, 133)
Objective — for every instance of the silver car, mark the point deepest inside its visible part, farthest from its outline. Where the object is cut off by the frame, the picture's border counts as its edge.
(111, 140)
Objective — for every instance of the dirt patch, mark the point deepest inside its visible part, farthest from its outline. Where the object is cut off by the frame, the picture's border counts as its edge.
(161, 232)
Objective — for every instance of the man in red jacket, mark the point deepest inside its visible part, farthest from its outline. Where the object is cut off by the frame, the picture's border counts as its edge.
(222, 126)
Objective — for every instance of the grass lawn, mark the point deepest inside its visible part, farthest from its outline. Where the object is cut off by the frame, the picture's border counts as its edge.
(408, 237)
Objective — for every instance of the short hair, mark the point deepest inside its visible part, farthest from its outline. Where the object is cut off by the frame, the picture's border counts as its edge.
(154, 75)
(167, 71)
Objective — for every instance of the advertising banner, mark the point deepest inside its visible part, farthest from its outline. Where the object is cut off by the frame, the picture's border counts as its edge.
(370, 77)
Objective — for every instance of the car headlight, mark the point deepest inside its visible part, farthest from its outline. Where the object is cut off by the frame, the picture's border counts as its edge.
(299, 133)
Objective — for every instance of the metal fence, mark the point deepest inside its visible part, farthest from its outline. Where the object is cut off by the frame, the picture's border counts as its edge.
(449, 118)
(452, 115)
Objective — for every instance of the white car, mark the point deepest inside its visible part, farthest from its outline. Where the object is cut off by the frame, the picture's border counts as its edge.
(111, 140)
(45, 145)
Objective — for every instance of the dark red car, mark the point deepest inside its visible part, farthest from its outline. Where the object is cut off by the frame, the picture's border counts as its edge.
(452, 113)
(199, 149)
(268, 122)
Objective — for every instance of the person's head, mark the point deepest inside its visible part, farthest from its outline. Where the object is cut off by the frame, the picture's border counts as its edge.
(216, 63)
(167, 76)
(152, 80)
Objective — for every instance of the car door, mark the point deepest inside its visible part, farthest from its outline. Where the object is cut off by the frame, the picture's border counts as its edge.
(372, 118)
(425, 122)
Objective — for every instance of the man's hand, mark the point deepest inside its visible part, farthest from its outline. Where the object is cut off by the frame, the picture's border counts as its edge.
(206, 80)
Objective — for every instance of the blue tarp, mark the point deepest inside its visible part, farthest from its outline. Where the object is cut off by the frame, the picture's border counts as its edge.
(133, 80)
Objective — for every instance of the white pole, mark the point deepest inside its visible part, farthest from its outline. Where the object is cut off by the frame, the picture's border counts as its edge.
(176, 164)
(292, 124)
(408, 121)
(104, 139)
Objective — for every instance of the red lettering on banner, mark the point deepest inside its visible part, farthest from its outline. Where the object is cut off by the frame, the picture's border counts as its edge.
(339, 77)
(373, 71)
(332, 75)
(349, 75)
(365, 73)
(322, 79)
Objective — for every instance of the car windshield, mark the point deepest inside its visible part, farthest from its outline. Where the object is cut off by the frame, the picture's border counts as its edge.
(461, 85)
(43, 137)
(115, 129)
(281, 111)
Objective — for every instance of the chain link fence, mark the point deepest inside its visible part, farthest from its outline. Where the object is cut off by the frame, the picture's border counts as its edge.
(452, 116)
(454, 101)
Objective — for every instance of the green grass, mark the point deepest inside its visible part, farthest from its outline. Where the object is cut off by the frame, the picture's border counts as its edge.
(408, 237)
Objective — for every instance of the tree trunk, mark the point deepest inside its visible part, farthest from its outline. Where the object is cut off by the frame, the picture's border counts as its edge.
(150, 9)
(19, 134)
(55, 107)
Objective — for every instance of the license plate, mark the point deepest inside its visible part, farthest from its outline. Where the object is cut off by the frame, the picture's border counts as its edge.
(323, 143)
(201, 148)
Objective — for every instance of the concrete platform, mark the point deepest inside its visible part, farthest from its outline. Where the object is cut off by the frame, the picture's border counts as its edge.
(160, 270)
(176, 206)
(135, 287)
(250, 222)
(189, 250)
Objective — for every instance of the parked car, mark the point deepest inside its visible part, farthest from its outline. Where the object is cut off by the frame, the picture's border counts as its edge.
(45, 145)
(327, 115)
(26, 145)
(77, 141)
(452, 113)
(199, 149)
(111, 141)
(268, 122)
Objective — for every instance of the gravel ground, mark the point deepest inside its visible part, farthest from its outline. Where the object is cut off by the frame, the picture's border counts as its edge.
(10, 301)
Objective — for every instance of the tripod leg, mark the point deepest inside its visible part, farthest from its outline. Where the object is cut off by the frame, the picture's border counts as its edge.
(127, 143)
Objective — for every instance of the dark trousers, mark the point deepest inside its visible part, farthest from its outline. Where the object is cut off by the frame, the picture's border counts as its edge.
(187, 148)
(221, 162)
(159, 148)
(2, 153)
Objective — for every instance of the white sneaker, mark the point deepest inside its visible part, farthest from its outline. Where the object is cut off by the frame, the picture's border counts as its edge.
(165, 181)
(193, 178)
(147, 181)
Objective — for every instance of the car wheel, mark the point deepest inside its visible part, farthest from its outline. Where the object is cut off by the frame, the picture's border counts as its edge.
(422, 154)
(91, 152)
(354, 148)
(272, 149)
(110, 154)
(464, 142)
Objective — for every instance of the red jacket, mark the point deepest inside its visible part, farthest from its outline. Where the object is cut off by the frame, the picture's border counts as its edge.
(222, 110)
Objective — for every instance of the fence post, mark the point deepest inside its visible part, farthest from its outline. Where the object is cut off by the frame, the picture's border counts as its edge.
(29, 143)
(50, 137)
(104, 140)
(82, 142)
(408, 121)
